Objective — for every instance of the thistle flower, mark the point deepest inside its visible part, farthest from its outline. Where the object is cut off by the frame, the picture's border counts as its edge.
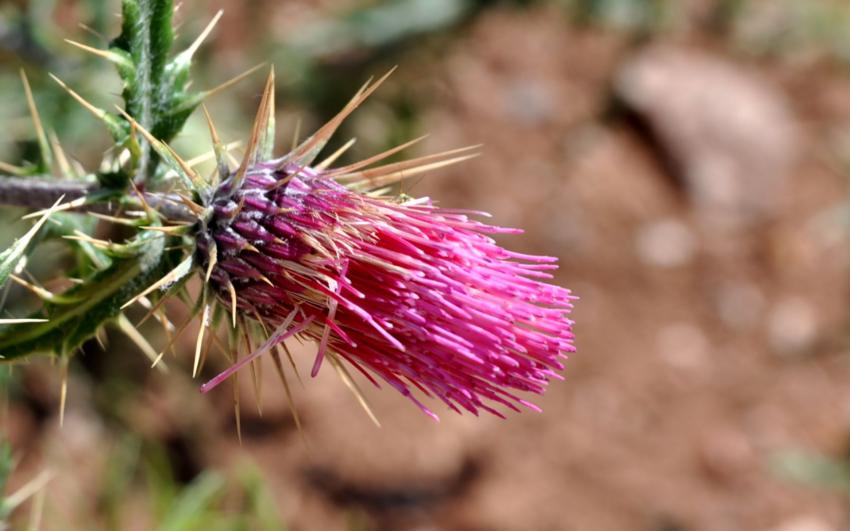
(418, 296)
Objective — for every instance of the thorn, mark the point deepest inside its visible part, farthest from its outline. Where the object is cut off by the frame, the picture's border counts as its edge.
(190, 51)
(230, 82)
(310, 148)
(166, 152)
(232, 291)
(43, 145)
(260, 130)
(138, 339)
(280, 335)
(335, 155)
(113, 127)
(385, 175)
(64, 166)
(92, 31)
(196, 209)
(58, 208)
(236, 409)
(213, 258)
(219, 149)
(175, 274)
(39, 292)
(63, 391)
(278, 365)
(211, 338)
(153, 311)
(256, 369)
(200, 159)
(112, 219)
(171, 230)
(200, 341)
(376, 158)
(199, 182)
(174, 338)
(12, 169)
(349, 382)
(21, 321)
(110, 56)
(296, 134)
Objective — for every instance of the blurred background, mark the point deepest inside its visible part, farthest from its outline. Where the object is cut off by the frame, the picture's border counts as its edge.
(686, 160)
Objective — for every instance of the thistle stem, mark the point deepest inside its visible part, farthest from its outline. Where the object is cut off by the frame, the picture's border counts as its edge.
(34, 192)
(42, 193)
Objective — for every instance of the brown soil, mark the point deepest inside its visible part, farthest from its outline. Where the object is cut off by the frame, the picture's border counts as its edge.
(682, 391)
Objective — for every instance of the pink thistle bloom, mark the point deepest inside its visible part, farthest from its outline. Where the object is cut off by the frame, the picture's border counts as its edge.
(406, 292)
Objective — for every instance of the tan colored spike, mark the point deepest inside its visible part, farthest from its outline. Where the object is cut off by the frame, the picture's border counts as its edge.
(96, 111)
(296, 134)
(256, 372)
(166, 152)
(112, 219)
(190, 51)
(98, 52)
(38, 291)
(64, 167)
(43, 144)
(173, 275)
(22, 321)
(291, 360)
(259, 129)
(335, 155)
(138, 339)
(194, 207)
(349, 382)
(173, 340)
(232, 292)
(213, 258)
(310, 148)
(63, 391)
(375, 158)
(209, 155)
(76, 203)
(378, 180)
(341, 175)
(187, 168)
(232, 81)
(12, 169)
(205, 317)
(278, 364)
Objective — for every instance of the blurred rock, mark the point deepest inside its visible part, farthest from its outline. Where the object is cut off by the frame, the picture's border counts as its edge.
(529, 101)
(739, 304)
(665, 243)
(804, 523)
(683, 345)
(726, 454)
(728, 133)
(792, 326)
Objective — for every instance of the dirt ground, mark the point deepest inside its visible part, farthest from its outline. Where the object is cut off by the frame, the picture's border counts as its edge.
(705, 349)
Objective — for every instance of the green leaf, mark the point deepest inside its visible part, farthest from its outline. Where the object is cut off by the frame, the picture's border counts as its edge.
(10, 258)
(101, 296)
(195, 503)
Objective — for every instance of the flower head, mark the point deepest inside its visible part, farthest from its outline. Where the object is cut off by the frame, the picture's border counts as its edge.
(417, 296)
(420, 296)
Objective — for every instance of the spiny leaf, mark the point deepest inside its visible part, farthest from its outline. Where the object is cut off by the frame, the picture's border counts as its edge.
(101, 296)
(10, 257)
